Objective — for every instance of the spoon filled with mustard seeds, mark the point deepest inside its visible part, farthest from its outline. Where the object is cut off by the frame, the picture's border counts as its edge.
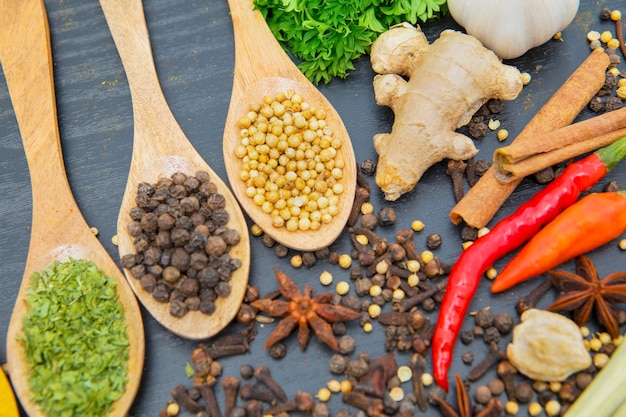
(210, 287)
(60, 239)
(288, 155)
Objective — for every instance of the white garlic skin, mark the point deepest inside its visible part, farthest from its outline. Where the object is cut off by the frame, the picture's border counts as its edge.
(547, 346)
(511, 28)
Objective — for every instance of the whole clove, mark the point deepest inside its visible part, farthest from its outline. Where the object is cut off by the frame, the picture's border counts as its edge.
(379, 371)
(263, 376)
(249, 392)
(371, 406)
(207, 391)
(531, 299)
(182, 397)
(493, 357)
(362, 195)
(230, 386)
(417, 368)
(456, 171)
(303, 401)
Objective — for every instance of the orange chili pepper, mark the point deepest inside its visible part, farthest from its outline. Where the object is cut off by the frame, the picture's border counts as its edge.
(588, 224)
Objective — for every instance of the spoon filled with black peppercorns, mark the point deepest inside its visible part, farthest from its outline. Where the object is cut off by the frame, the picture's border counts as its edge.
(60, 236)
(182, 237)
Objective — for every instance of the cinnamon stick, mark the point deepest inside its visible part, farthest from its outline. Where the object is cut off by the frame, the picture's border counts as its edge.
(518, 160)
(483, 200)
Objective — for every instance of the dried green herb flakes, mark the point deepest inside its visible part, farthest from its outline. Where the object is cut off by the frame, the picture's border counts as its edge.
(75, 340)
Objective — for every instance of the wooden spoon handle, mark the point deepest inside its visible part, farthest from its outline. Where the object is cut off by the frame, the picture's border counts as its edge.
(27, 63)
(151, 113)
(257, 52)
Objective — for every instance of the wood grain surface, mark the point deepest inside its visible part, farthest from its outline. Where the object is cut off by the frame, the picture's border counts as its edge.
(193, 48)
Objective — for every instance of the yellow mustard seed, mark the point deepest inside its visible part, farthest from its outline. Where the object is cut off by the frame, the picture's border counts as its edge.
(368, 327)
(526, 77)
(555, 386)
(534, 409)
(558, 36)
(511, 408)
(374, 310)
(404, 373)
(467, 244)
(621, 82)
(584, 331)
(614, 71)
(362, 239)
(94, 231)
(413, 280)
(606, 36)
(482, 231)
(172, 409)
(595, 344)
(502, 134)
(618, 340)
(346, 386)
(398, 295)
(323, 394)
(375, 290)
(333, 385)
(553, 408)
(605, 338)
(491, 273)
(326, 278)
(616, 15)
(427, 256)
(342, 288)
(345, 261)
(256, 230)
(493, 124)
(296, 261)
(114, 240)
(601, 359)
(427, 379)
(593, 36)
(367, 208)
(612, 43)
(621, 92)
(413, 265)
(382, 267)
(417, 225)
(396, 394)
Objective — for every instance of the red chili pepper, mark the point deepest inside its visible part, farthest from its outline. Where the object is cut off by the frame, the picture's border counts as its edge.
(586, 225)
(509, 234)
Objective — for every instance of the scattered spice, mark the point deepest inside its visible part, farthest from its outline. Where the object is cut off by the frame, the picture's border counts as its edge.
(302, 310)
(584, 292)
(75, 340)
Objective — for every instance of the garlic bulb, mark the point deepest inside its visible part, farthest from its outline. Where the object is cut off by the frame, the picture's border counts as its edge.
(509, 27)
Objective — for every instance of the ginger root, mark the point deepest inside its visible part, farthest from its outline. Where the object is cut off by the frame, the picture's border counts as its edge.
(448, 81)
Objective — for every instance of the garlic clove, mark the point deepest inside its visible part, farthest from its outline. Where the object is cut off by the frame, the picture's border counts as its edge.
(511, 28)
(547, 346)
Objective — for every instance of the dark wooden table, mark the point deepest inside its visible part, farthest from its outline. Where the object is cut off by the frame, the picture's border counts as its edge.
(193, 48)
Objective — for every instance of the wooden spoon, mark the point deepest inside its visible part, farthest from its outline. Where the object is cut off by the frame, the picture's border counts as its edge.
(59, 231)
(263, 68)
(160, 149)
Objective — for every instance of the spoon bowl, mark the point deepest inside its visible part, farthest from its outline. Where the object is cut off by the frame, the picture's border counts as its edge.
(262, 68)
(160, 149)
(59, 232)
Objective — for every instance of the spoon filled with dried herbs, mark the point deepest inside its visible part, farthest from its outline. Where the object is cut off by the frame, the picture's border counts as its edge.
(182, 236)
(288, 155)
(76, 330)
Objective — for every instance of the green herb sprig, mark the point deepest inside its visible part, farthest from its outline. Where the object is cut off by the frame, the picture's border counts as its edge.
(328, 35)
(75, 339)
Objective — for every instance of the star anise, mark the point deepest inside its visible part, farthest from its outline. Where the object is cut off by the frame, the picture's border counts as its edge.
(464, 404)
(584, 291)
(303, 311)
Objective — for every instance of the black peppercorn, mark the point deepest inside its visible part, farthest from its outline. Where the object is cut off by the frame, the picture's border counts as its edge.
(368, 167)
(387, 216)
(433, 241)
